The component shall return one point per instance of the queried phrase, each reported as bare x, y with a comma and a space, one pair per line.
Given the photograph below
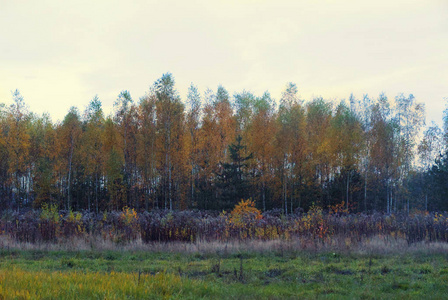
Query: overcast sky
62, 53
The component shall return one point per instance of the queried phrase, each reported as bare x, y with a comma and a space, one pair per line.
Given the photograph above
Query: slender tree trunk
293, 196
89, 194
146, 191
192, 184
96, 192
347, 190
285, 196
392, 198
170, 186
69, 173
166, 175
387, 198
365, 192
263, 195
192, 166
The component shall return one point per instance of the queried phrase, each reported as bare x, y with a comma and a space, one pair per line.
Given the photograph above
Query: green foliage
436, 179
49, 213
234, 180
49, 222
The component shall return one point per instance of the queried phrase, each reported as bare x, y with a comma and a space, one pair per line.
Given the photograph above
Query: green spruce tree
233, 182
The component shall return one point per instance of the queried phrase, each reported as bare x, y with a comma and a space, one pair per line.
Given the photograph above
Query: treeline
214, 150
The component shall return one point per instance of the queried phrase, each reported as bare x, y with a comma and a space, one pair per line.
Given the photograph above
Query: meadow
52, 254
239, 270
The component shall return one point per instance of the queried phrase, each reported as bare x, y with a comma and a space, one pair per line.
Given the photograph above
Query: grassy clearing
223, 274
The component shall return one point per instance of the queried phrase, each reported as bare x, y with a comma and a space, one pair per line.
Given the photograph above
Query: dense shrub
244, 222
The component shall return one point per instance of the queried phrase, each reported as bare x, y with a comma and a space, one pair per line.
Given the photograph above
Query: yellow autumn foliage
244, 212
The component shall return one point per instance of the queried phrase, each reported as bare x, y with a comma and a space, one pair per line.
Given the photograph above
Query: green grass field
37, 274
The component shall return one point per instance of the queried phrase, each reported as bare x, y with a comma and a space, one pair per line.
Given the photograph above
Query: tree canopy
216, 149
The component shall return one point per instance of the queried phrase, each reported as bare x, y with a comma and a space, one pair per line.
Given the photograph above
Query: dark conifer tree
234, 180
437, 180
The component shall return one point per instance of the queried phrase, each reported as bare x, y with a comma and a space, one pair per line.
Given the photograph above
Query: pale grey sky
61, 53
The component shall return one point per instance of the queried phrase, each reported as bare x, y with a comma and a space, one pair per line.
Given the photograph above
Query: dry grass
377, 244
